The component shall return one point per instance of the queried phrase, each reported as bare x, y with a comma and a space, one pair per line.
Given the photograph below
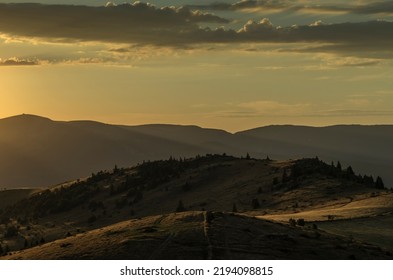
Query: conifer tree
339, 166
180, 207
350, 171
255, 203
379, 183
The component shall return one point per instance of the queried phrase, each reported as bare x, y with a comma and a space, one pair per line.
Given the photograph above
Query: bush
301, 222
186, 187
255, 203
292, 222
180, 207
92, 219
11, 231
5, 220
138, 196
379, 183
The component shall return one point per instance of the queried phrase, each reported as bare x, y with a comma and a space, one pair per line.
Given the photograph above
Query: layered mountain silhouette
38, 152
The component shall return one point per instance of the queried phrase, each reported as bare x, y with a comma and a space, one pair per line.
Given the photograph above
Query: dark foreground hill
306, 196
203, 235
38, 152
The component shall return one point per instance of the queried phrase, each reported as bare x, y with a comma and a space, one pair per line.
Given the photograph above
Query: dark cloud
363, 50
137, 22
145, 24
385, 7
352, 113
375, 33
247, 4
371, 8
17, 62
268, 4
283, 110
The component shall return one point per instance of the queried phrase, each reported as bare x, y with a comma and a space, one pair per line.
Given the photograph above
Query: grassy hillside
10, 197
283, 191
202, 235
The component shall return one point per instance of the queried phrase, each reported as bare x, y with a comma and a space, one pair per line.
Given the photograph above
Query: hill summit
186, 203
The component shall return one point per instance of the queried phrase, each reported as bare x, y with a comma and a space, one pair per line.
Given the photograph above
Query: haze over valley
38, 152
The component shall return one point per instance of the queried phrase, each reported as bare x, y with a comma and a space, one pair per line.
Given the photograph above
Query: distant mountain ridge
38, 152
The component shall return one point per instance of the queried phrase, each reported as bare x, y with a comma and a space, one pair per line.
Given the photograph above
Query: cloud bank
13, 61
138, 22
385, 7
141, 23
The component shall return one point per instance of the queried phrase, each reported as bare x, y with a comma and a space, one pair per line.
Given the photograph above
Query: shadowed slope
202, 235
279, 190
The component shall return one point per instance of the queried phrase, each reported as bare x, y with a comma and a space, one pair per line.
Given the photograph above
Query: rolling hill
160, 209
202, 235
38, 152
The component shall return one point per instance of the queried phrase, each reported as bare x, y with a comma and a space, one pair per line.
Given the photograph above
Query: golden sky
233, 66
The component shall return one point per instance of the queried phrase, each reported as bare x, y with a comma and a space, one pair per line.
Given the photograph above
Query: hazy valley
38, 152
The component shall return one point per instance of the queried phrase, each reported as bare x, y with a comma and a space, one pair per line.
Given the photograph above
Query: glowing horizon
291, 63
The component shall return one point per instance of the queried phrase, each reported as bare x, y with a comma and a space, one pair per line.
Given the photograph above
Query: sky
232, 65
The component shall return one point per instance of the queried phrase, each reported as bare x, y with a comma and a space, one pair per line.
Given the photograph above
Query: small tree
285, 177
115, 169
350, 171
92, 219
248, 156
368, 180
112, 190
301, 222
11, 231
186, 187
268, 158
379, 183
255, 203
180, 207
138, 196
339, 168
